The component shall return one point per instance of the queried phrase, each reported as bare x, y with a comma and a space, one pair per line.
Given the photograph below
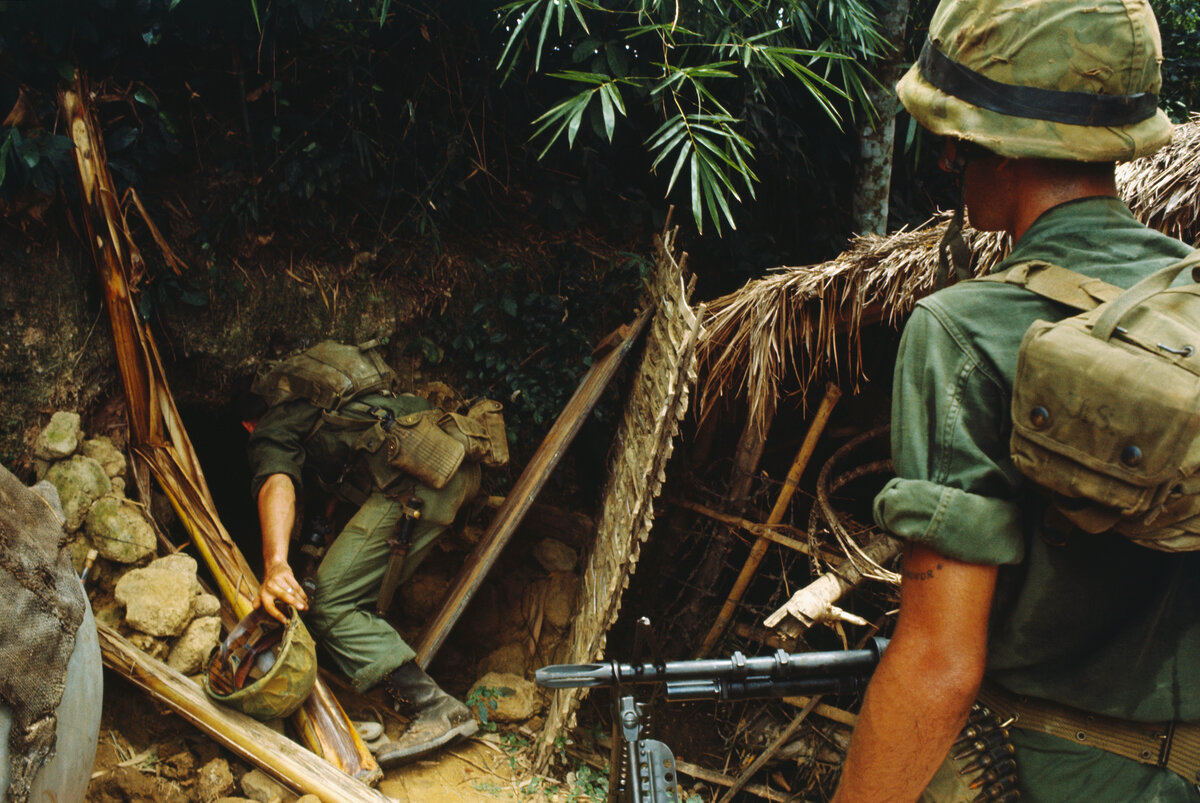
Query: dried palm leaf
806, 321
157, 432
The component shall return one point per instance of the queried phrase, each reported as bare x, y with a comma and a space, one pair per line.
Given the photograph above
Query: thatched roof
808, 320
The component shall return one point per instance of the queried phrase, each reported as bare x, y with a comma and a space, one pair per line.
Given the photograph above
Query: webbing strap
1171, 745
1057, 284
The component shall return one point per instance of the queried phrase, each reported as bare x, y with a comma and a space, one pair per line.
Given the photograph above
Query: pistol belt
1174, 746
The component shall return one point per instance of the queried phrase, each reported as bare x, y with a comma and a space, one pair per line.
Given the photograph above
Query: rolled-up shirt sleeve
956, 490
277, 444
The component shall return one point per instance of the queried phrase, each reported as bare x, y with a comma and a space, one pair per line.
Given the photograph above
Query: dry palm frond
157, 433
807, 320
1163, 189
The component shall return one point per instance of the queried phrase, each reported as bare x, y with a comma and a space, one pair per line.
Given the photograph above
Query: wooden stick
248, 738
518, 501
759, 550
761, 530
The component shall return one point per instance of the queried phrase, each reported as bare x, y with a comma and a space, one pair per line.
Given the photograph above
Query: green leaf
145, 98
4, 151
606, 108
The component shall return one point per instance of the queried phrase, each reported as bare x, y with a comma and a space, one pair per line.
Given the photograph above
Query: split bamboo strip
761, 530
157, 432
246, 737
759, 550
656, 400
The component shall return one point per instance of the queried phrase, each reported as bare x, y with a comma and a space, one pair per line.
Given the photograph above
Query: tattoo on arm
921, 576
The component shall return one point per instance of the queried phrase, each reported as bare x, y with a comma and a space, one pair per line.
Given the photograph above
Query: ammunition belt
1174, 746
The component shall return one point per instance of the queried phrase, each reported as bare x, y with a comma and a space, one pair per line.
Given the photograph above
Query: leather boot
437, 718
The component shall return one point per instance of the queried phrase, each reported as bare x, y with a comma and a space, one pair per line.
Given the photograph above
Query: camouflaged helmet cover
285, 686
1106, 47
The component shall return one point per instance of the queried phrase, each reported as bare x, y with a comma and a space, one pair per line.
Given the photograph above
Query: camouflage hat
263, 668
1055, 79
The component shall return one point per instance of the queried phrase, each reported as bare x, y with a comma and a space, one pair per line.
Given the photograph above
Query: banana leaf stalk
246, 737
157, 433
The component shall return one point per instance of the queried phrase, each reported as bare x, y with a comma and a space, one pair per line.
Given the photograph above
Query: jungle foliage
1179, 22
532, 130
693, 71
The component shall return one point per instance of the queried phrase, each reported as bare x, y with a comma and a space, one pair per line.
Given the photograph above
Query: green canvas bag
1106, 403
327, 374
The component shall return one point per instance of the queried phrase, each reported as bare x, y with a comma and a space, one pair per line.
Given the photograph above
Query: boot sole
395, 758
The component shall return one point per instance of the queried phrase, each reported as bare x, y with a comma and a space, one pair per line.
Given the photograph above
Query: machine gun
649, 765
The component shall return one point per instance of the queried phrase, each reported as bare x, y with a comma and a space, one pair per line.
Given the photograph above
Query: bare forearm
276, 517
915, 707
922, 690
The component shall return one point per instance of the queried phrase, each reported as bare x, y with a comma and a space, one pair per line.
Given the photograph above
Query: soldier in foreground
330, 416
1091, 640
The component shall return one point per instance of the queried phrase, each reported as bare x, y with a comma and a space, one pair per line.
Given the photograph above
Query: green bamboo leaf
523, 18
537, 56
576, 120
606, 109
697, 211
685, 151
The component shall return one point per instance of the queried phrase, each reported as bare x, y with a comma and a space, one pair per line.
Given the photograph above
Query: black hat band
1071, 108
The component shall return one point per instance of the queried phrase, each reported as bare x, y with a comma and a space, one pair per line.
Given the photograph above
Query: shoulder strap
1057, 284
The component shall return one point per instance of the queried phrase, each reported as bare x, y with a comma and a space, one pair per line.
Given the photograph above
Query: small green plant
588, 785
484, 698
488, 787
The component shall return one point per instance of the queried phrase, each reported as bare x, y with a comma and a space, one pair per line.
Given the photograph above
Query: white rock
206, 605
80, 481
201, 637
102, 450
157, 599
257, 785
555, 556
60, 438
119, 530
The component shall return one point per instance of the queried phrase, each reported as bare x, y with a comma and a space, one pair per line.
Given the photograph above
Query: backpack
327, 374
1106, 403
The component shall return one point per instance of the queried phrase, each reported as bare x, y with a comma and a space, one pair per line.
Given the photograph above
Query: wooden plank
248, 738
518, 501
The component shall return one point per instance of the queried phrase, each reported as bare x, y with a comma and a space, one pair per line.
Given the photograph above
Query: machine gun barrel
735, 677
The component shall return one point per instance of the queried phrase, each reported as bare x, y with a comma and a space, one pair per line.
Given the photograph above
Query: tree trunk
877, 133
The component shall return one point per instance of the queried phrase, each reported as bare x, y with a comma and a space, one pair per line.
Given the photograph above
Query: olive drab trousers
364, 646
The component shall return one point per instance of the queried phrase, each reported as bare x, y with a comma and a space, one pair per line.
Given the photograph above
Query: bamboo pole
761, 530
248, 738
518, 501
759, 550
157, 432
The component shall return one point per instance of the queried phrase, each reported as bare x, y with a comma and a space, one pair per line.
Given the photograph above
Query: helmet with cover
264, 669
1055, 79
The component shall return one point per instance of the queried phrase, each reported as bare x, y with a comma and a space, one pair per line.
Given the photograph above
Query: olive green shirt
280, 443
1096, 622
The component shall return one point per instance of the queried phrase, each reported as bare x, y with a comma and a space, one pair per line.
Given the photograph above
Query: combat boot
437, 718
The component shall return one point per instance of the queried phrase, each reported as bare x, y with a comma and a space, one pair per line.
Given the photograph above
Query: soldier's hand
279, 583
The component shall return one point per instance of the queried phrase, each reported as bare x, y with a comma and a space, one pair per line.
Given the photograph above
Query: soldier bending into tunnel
331, 415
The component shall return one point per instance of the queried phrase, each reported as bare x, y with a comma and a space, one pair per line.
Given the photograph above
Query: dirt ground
148, 753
